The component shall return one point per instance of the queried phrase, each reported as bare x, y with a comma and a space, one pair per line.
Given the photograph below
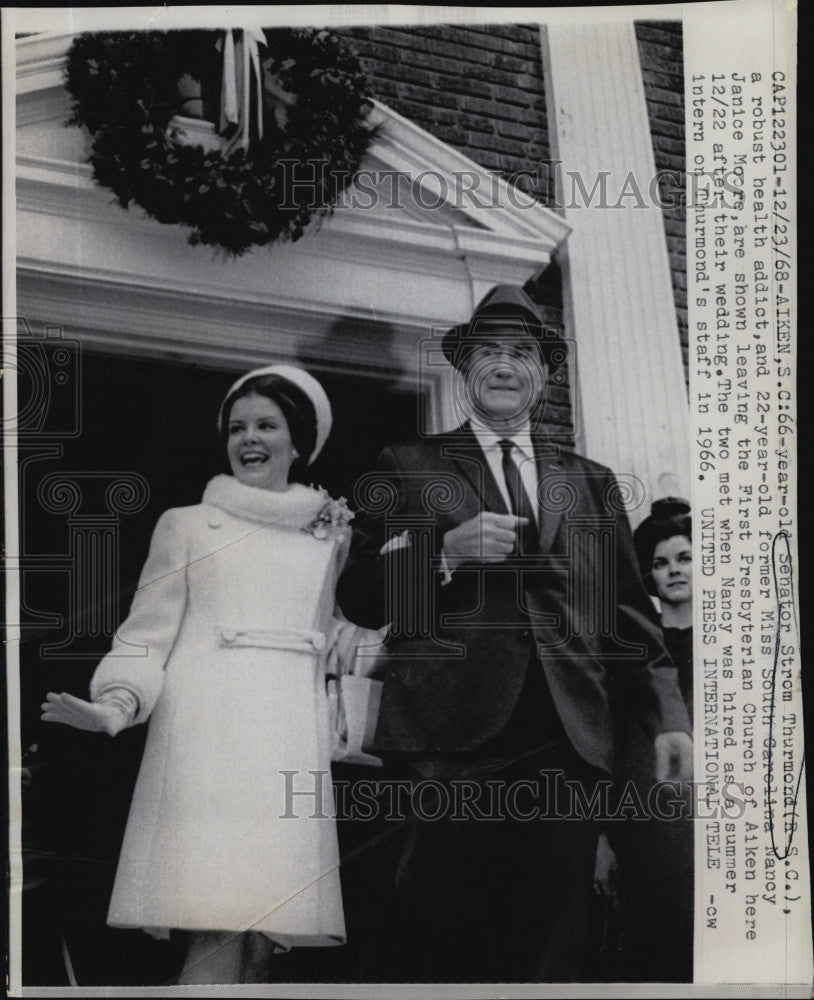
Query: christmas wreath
296, 144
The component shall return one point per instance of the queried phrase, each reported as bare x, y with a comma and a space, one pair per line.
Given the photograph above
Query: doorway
153, 420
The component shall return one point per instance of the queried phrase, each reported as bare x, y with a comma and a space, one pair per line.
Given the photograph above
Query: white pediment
455, 230
480, 198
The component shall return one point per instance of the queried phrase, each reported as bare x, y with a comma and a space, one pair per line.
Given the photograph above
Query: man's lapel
462, 449
550, 470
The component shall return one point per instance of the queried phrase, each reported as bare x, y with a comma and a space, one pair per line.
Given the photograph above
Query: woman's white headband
307, 384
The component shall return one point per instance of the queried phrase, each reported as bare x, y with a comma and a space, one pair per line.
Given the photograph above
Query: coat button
229, 635
214, 522
525, 634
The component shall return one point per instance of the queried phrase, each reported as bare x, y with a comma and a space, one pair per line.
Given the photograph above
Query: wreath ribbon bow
241, 60
126, 89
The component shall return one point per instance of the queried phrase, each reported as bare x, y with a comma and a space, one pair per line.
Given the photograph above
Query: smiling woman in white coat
224, 651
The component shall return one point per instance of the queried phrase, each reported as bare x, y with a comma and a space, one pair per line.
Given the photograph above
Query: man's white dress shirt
523, 456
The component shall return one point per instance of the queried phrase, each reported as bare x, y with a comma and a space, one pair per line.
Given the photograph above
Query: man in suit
505, 568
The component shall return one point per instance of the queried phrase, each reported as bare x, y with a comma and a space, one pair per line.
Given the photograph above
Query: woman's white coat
231, 825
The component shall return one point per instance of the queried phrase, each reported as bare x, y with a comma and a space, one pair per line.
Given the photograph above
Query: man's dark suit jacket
580, 599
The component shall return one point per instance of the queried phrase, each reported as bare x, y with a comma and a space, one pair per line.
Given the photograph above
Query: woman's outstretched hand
94, 717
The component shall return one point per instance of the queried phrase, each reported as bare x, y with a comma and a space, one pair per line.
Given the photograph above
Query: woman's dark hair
296, 407
669, 517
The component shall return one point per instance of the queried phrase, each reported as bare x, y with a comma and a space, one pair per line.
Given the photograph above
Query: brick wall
662, 59
480, 89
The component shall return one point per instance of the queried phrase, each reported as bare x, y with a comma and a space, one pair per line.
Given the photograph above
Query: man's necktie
527, 535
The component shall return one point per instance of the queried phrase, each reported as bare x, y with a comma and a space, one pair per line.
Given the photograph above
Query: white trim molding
122, 282
618, 293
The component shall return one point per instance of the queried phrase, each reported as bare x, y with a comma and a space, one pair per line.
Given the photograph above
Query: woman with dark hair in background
654, 877
664, 546
225, 651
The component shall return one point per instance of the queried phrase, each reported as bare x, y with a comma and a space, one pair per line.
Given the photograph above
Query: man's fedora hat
508, 311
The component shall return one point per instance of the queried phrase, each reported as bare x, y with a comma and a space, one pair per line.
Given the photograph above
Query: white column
632, 401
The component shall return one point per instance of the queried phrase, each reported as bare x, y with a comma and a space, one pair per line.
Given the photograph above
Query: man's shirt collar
488, 439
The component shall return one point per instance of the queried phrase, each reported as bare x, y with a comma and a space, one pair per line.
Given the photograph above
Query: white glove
674, 757
342, 650
606, 870
94, 717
